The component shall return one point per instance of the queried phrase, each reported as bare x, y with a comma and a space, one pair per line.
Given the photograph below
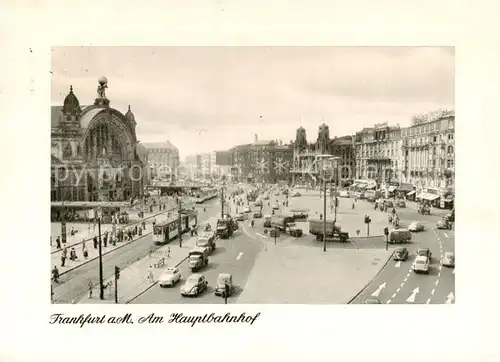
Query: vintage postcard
268, 175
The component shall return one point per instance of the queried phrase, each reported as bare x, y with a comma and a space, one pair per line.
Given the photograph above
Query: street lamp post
101, 277
324, 214
179, 222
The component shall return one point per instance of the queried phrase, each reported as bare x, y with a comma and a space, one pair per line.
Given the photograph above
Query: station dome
71, 103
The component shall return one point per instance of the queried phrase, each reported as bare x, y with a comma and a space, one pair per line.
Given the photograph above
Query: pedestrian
83, 244
51, 241
150, 274
353, 205
105, 240
91, 287
95, 242
58, 243
55, 274
63, 259
135, 230
154, 222
72, 254
85, 253
65, 252
168, 252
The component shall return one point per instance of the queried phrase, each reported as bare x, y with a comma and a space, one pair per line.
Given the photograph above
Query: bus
166, 231
205, 194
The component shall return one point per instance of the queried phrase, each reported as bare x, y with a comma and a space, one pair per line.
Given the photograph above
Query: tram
205, 194
166, 231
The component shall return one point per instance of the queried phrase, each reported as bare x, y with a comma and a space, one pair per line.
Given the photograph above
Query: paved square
304, 275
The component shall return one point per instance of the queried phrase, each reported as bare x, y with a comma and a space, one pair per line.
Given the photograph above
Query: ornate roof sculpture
129, 116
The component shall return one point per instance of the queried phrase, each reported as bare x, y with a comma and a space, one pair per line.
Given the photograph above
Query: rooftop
154, 145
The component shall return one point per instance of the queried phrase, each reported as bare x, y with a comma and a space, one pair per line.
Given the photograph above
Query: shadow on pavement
219, 250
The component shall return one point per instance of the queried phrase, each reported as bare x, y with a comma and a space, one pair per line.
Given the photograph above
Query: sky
212, 98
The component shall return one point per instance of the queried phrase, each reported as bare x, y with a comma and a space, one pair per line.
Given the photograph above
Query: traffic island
351, 220
302, 275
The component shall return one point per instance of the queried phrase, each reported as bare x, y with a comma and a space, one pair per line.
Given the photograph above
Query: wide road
398, 284
73, 285
235, 256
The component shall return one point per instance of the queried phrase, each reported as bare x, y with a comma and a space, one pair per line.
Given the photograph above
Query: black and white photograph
319, 175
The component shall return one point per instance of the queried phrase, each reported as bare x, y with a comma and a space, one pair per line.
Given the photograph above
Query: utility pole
101, 278
222, 202
117, 276
324, 214
63, 218
179, 229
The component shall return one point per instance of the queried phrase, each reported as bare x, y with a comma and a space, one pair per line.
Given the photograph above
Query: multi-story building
93, 151
429, 151
306, 167
163, 160
379, 154
262, 161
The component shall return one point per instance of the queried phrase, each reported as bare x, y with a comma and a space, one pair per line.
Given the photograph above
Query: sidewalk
93, 253
87, 231
134, 279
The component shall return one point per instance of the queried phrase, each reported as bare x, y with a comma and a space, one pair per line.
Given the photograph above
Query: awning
369, 187
391, 188
361, 186
430, 197
405, 188
410, 193
420, 196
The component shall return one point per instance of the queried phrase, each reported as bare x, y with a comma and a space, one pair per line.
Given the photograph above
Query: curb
123, 227
371, 280
152, 285
109, 251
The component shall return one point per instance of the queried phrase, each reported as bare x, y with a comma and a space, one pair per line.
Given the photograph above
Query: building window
450, 136
450, 150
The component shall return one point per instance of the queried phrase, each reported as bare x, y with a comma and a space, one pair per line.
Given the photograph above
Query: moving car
343, 193
170, 277
222, 280
424, 252
276, 206
401, 204
397, 236
401, 254
443, 223
257, 215
449, 259
416, 226
195, 284
371, 300
246, 209
421, 264
240, 217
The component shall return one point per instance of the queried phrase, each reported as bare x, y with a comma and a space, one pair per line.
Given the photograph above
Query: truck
207, 240
225, 227
198, 258
333, 232
285, 223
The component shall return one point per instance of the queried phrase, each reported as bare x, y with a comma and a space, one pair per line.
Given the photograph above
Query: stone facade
93, 151
162, 161
305, 167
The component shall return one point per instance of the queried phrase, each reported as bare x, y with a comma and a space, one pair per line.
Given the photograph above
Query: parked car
195, 284
170, 277
449, 259
416, 226
401, 254
296, 194
222, 280
424, 252
421, 264
257, 215
246, 209
443, 223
